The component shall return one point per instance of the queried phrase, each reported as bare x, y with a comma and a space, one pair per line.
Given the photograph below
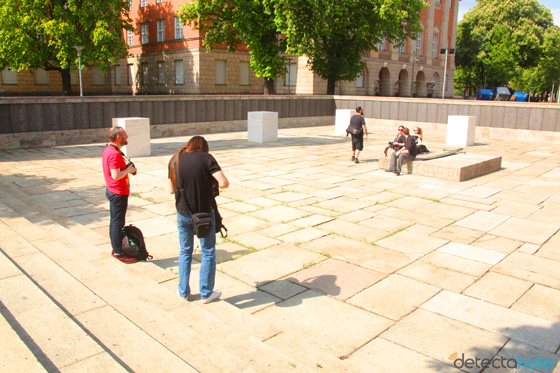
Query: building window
129, 5
159, 1
179, 72
360, 81
161, 73
42, 35
434, 46
382, 45
143, 3
160, 30
74, 77
9, 76
118, 79
41, 77
97, 77
145, 74
244, 73
129, 37
144, 32
220, 73
438, 2
178, 28
419, 44
291, 76
130, 73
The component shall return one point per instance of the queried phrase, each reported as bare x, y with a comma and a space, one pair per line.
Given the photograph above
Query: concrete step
220, 336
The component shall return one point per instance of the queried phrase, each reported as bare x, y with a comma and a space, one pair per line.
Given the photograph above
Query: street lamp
412, 82
79, 49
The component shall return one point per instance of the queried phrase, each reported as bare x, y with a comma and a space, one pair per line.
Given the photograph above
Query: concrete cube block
138, 131
460, 130
262, 126
342, 120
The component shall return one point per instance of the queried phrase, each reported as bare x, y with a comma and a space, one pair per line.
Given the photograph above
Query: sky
553, 5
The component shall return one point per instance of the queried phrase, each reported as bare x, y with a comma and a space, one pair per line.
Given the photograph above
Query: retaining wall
48, 121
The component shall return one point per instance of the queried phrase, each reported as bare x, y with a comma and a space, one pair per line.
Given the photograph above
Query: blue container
501, 93
521, 96
484, 94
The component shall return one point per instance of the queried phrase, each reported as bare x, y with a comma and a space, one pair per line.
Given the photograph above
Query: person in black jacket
356, 129
198, 171
408, 152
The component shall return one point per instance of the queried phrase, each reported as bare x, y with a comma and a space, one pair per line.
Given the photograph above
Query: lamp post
412, 82
79, 49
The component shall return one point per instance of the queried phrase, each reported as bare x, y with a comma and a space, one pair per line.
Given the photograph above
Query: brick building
168, 58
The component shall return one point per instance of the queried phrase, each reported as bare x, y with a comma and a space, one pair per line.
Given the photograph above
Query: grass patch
145, 198
308, 265
324, 253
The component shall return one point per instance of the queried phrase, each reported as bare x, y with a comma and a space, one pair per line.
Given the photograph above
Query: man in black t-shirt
197, 170
408, 152
356, 129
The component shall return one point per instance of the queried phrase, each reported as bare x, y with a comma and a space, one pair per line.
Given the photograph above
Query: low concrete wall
494, 114
48, 121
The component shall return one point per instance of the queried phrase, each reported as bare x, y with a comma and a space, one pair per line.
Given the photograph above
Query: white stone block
460, 130
342, 120
262, 126
138, 131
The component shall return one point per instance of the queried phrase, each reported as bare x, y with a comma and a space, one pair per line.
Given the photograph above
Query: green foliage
334, 34
236, 22
547, 72
498, 40
41, 34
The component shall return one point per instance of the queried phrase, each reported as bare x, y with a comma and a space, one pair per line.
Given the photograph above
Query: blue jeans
117, 207
208, 264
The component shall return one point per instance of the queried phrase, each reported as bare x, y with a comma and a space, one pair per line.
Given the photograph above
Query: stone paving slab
498, 289
516, 325
335, 278
270, 264
540, 301
394, 297
472, 252
439, 337
370, 256
390, 356
309, 312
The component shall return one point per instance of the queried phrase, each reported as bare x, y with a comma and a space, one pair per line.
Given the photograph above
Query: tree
497, 40
334, 34
236, 22
42, 34
547, 72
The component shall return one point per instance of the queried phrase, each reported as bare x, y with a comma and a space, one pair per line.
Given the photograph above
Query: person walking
115, 171
357, 129
407, 152
197, 172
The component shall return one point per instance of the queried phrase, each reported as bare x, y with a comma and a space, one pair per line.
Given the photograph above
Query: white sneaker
216, 294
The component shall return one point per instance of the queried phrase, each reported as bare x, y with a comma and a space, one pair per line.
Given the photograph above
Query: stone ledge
457, 167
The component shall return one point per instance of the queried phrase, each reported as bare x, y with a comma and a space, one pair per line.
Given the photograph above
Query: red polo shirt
112, 159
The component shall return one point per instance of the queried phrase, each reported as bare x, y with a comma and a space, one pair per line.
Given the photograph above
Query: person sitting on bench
397, 143
417, 135
408, 152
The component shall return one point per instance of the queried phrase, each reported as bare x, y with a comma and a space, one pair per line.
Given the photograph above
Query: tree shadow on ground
527, 348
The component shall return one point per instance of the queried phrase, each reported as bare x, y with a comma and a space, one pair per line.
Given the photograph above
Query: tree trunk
330, 86
66, 82
269, 84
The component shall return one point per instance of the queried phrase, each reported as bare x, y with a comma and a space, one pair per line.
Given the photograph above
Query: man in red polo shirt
115, 171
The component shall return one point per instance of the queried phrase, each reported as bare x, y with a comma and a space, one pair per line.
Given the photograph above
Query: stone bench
262, 126
455, 167
138, 131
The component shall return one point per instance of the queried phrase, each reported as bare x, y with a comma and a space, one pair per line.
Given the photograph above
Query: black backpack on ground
133, 244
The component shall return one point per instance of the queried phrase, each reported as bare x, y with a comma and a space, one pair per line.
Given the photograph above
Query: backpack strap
179, 184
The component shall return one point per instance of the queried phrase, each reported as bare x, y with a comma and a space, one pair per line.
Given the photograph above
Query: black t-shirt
195, 171
357, 121
411, 145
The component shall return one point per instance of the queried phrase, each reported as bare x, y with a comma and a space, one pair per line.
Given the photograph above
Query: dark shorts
358, 142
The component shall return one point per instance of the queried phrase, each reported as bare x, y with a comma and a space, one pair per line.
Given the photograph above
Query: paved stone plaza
329, 265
